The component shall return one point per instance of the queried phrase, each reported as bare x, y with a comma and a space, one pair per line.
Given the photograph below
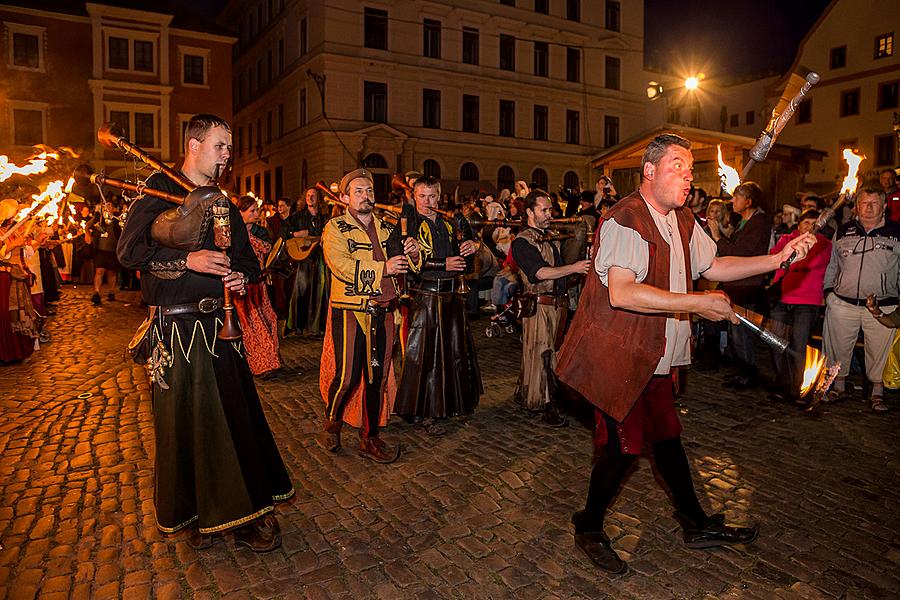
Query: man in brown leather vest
544, 277
633, 322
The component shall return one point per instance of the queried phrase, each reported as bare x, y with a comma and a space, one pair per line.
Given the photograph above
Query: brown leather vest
609, 354
532, 236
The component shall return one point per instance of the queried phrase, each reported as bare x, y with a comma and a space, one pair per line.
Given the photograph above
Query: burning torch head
8, 209
110, 134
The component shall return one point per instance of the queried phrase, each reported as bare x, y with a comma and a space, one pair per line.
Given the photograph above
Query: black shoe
598, 548
111, 297
433, 427
741, 383
96, 299
552, 417
714, 532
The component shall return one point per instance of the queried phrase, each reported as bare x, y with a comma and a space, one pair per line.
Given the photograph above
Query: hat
411, 175
8, 209
355, 174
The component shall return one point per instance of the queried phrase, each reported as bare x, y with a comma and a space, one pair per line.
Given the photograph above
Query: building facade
68, 67
478, 94
852, 47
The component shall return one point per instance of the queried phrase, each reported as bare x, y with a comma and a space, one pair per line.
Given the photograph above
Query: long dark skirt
216, 459
440, 370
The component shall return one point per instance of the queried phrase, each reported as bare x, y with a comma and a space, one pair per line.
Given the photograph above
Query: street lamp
692, 83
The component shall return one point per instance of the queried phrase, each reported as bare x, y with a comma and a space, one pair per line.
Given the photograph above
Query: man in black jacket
750, 238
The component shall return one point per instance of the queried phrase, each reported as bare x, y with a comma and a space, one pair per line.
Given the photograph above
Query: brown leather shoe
260, 535
330, 436
197, 540
377, 450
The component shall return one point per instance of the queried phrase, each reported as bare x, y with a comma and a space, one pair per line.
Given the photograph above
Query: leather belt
381, 308
550, 299
443, 285
204, 306
862, 302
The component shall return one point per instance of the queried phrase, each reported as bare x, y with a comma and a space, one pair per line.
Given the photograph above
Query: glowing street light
692, 83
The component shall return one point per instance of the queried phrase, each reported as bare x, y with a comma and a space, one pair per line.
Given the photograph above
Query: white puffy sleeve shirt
623, 247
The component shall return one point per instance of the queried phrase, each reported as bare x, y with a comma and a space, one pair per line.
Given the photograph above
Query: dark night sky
725, 38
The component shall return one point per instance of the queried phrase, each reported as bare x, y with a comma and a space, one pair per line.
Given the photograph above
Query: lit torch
818, 376
847, 190
728, 175
36, 165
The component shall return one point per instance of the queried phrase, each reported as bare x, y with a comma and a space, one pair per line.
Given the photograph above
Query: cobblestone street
482, 512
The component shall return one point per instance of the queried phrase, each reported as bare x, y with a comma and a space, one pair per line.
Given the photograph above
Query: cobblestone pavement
480, 513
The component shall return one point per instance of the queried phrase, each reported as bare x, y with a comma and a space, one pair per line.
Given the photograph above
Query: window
573, 126
849, 103
571, 180
539, 179
613, 73
610, 131
542, 6
249, 141
507, 52
247, 185
304, 40
256, 184
541, 59
573, 65
28, 126
470, 46
279, 182
118, 53
540, 122
144, 131
506, 178
431, 43
507, 118
301, 109
804, 111
194, 70
143, 56
613, 15
885, 150
470, 114
376, 28
26, 50
269, 64
375, 107
267, 184
123, 119
131, 53
884, 45
431, 109
735, 120
280, 57
468, 172
239, 141
279, 131
838, 57
304, 174
750, 117
269, 127
887, 95
431, 168
573, 10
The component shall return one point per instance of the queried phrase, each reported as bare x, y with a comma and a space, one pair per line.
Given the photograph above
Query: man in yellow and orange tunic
363, 253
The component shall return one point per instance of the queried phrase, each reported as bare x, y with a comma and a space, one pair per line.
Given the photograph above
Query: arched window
380, 174
304, 175
468, 172
374, 161
431, 168
539, 179
571, 180
506, 178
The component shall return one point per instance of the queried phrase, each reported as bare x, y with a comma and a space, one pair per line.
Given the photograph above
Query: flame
812, 368
35, 166
850, 181
728, 175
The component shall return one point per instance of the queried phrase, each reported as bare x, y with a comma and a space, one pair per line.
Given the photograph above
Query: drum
278, 262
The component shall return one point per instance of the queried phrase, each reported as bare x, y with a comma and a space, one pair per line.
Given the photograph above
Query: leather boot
713, 532
197, 540
552, 417
260, 535
330, 436
377, 450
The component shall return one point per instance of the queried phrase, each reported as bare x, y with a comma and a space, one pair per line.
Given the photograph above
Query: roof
700, 138
183, 16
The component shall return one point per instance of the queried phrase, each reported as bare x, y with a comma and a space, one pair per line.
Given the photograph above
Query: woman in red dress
18, 319
254, 309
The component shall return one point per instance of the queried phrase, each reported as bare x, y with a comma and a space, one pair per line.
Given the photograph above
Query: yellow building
852, 47
478, 94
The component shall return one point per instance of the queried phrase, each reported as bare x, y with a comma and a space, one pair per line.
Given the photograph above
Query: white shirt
623, 247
